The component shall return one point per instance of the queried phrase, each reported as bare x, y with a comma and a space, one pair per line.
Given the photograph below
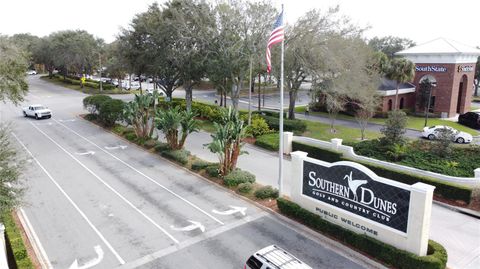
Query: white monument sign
352, 196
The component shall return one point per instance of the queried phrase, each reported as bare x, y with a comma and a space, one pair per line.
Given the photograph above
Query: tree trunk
291, 105
476, 89
396, 97
233, 96
188, 95
221, 96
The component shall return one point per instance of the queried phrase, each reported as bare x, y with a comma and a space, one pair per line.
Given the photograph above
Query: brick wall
447, 90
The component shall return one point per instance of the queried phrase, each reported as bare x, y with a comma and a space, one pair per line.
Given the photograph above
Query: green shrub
119, 129
257, 127
297, 126
91, 117
198, 164
179, 156
394, 128
160, 147
266, 192
237, 177
213, 170
131, 136
269, 113
92, 103
436, 255
268, 141
92, 85
16, 250
110, 111
150, 143
317, 153
245, 188
446, 190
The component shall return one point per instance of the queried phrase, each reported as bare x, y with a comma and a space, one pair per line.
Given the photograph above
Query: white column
3, 248
477, 173
418, 231
287, 142
296, 173
336, 142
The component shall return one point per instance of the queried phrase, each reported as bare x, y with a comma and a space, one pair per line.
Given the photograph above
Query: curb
332, 244
32, 237
465, 211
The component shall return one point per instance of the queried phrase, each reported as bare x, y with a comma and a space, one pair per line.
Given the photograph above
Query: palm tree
227, 140
401, 70
140, 112
176, 124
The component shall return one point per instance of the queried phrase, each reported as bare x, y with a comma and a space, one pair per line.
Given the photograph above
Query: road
98, 200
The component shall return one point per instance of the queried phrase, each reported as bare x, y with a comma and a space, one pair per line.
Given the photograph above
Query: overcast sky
419, 20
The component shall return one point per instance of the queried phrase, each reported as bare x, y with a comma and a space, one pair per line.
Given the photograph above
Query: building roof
440, 46
389, 85
389, 88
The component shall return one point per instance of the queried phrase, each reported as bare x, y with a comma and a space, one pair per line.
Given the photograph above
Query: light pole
431, 85
100, 62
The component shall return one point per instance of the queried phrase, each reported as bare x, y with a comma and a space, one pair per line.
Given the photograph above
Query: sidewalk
459, 233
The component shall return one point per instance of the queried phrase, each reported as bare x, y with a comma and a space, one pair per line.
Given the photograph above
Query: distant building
446, 63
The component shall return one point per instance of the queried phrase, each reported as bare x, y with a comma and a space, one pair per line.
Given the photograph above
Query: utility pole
427, 109
100, 61
250, 93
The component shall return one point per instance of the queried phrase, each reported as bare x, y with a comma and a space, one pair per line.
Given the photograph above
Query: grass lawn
416, 123
206, 126
87, 89
349, 135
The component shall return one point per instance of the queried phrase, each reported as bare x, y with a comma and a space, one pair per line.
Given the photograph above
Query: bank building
448, 65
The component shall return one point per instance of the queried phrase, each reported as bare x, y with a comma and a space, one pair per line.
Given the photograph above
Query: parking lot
103, 202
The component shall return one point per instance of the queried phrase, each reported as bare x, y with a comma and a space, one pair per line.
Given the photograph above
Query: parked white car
31, 72
274, 257
433, 133
37, 111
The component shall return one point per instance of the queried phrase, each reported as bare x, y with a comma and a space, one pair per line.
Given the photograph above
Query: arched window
401, 103
390, 104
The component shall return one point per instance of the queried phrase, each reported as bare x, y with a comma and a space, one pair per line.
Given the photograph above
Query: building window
390, 104
401, 103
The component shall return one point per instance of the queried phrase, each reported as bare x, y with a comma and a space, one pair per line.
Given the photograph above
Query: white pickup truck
37, 111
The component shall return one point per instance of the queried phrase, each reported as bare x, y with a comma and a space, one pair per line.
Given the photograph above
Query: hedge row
268, 141
436, 255
317, 152
297, 126
16, 251
88, 83
446, 190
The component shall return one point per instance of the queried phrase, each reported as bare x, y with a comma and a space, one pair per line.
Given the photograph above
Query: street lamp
431, 85
100, 62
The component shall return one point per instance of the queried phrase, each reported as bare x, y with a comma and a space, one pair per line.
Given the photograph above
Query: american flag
276, 36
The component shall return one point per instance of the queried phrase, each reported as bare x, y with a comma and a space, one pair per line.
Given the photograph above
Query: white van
273, 257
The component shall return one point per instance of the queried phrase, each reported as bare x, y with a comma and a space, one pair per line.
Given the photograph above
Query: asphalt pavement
101, 202
458, 233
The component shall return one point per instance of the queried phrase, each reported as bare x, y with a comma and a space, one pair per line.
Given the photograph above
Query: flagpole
280, 149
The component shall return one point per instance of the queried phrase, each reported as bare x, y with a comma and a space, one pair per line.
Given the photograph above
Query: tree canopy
390, 44
13, 65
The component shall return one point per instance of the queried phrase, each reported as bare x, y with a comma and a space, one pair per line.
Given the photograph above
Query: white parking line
192, 241
110, 187
144, 175
115, 253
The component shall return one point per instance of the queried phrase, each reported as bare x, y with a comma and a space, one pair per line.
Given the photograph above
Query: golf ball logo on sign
352, 190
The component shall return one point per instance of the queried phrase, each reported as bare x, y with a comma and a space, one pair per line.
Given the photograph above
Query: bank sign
352, 190
431, 68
